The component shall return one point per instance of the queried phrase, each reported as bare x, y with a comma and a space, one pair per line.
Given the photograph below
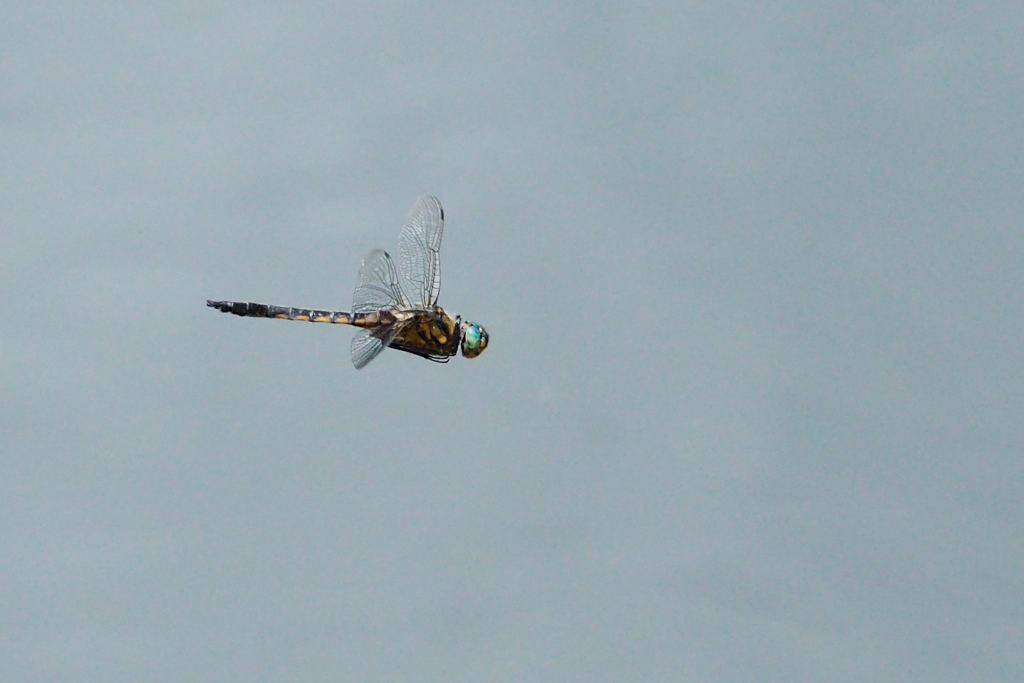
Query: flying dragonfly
402, 315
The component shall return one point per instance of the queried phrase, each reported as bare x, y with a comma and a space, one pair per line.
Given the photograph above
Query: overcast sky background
751, 409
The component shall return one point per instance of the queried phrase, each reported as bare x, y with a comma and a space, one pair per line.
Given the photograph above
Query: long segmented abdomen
252, 310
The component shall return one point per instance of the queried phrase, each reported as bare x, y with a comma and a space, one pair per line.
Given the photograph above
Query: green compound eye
474, 341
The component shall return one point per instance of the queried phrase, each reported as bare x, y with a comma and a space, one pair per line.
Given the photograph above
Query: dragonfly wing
368, 343
419, 247
377, 288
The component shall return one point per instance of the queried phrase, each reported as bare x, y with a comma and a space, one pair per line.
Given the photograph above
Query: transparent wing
419, 246
368, 343
377, 288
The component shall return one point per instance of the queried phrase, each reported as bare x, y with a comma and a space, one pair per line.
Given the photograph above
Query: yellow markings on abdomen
311, 316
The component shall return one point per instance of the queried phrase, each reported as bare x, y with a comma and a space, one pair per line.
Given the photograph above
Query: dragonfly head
474, 339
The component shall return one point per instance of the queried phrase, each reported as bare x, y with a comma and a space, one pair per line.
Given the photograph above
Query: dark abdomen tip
240, 308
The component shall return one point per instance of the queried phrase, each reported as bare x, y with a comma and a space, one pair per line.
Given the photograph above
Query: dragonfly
394, 313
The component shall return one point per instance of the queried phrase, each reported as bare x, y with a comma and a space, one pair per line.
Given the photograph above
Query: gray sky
751, 409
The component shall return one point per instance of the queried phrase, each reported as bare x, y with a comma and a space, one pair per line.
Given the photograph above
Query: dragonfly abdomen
251, 310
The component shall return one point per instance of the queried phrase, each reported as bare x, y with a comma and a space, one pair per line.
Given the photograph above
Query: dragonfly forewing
419, 251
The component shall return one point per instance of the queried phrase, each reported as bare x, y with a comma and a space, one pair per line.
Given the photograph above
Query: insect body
404, 314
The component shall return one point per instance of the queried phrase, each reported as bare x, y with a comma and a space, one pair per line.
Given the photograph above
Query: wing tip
425, 200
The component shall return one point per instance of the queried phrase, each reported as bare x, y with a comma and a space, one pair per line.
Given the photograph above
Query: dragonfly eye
474, 341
